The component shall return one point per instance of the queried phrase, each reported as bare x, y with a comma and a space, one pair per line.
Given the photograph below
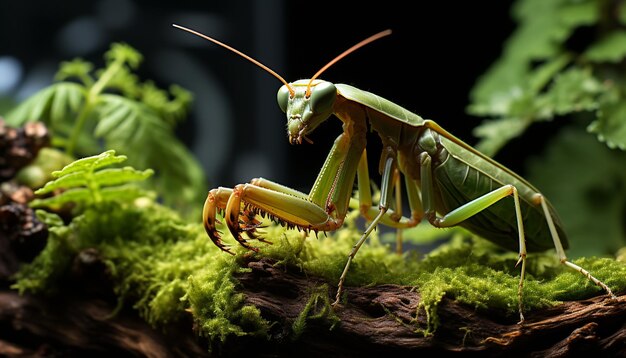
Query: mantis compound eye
283, 98
323, 97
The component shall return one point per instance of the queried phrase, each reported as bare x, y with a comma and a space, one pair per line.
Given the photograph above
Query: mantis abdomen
458, 181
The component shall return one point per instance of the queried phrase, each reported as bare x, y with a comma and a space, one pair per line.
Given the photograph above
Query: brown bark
383, 319
375, 320
80, 326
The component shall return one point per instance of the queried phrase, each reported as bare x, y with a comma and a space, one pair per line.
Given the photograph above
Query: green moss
167, 268
50, 266
160, 264
325, 255
317, 308
468, 269
217, 307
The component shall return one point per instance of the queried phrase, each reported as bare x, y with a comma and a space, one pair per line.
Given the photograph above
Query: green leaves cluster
566, 61
88, 110
85, 183
547, 70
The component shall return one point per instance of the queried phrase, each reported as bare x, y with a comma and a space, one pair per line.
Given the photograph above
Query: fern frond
85, 184
54, 105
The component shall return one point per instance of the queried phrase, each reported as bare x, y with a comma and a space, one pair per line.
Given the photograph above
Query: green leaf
576, 13
519, 101
123, 193
545, 25
66, 103
573, 90
179, 175
77, 68
153, 96
105, 177
90, 163
77, 195
610, 126
137, 120
50, 219
543, 28
172, 110
71, 180
117, 176
495, 134
53, 105
125, 82
178, 106
122, 118
611, 48
114, 112
121, 52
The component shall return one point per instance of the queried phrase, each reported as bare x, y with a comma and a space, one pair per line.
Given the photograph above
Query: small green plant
90, 110
84, 182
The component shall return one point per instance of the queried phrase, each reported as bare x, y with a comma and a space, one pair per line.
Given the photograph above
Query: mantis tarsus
447, 181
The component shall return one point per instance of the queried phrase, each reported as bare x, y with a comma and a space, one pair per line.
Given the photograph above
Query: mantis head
307, 108
307, 103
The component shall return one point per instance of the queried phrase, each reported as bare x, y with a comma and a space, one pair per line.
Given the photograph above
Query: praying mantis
447, 181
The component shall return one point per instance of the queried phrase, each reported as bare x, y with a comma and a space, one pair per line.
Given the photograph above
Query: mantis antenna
272, 72
346, 53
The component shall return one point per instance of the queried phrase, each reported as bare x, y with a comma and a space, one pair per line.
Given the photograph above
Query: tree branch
373, 320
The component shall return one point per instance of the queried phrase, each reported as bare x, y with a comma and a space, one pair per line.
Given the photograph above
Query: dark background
437, 51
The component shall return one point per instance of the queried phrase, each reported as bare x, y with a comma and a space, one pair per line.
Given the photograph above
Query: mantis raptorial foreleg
386, 190
323, 209
261, 196
216, 199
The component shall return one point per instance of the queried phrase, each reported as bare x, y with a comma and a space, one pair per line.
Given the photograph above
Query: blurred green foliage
90, 110
566, 61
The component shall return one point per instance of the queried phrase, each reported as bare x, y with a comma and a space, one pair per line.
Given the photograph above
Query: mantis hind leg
393, 216
472, 208
561, 252
398, 200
